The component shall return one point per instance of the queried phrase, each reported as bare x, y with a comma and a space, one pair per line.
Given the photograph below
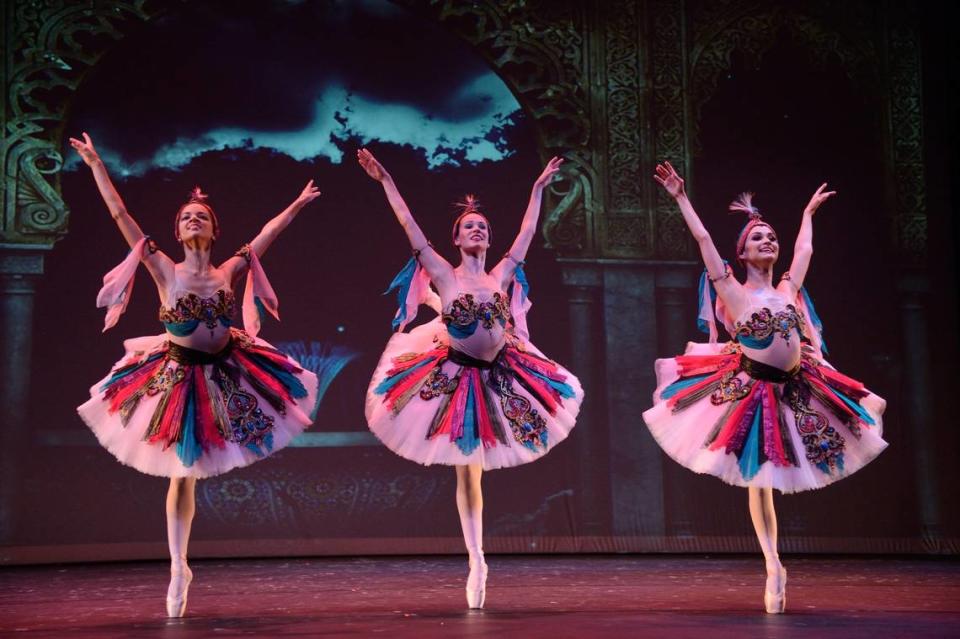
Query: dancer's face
196, 222
473, 233
761, 247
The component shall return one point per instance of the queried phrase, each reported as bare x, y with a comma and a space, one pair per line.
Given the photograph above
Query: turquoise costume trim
402, 282
466, 314
191, 309
814, 318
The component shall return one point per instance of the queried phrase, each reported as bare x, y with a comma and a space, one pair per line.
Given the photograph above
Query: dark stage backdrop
250, 103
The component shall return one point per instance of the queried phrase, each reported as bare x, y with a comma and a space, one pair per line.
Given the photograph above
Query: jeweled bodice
477, 327
772, 333
190, 310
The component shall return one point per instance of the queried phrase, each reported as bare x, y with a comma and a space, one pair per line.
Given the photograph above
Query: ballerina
203, 397
468, 389
766, 410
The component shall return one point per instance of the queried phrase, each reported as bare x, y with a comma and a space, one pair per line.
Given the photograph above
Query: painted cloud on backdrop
339, 116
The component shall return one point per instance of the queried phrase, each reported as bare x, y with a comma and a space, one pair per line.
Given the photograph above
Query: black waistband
765, 372
462, 359
192, 357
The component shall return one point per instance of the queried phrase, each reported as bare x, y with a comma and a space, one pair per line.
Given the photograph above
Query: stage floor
527, 596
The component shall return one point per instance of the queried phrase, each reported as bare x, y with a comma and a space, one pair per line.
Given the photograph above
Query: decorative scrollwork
623, 110
752, 28
578, 70
906, 152
852, 33
565, 223
41, 211
668, 58
51, 44
626, 232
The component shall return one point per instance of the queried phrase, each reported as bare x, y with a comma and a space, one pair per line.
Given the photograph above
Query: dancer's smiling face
472, 232
196, 222
761, 247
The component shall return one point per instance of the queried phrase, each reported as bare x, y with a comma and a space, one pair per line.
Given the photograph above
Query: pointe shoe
776, 602
177, 591
477, 584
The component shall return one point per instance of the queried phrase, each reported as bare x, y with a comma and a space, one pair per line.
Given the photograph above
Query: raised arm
273, 228
259, 244
803, 248
717, 271
503, 271
159, 265
439, 269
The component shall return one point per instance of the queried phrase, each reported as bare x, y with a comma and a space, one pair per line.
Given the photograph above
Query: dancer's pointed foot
477, 583
775, 594
180, 578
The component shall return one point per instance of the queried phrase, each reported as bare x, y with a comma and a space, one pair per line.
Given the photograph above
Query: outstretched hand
818, 198
370, 164
308, 194
85, 148
552, 168
667, 177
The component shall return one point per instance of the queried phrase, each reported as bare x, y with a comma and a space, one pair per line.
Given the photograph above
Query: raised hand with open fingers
309, 194
818, 198
86, 149
552, 168
667, 176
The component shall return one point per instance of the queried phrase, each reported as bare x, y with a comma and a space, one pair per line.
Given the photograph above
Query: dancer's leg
181, 506
470, 507
765, 524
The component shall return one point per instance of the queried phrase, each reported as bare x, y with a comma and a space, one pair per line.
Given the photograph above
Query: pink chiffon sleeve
118, 285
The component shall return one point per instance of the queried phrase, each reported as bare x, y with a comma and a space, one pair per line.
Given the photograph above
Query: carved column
636, 461
906, 199
914, 292
19, 272
676, 312
584, 280
41, 65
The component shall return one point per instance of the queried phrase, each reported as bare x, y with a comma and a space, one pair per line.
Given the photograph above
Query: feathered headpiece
744, 204
198, 196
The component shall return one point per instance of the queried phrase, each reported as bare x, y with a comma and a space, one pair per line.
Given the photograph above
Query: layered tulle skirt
177, 412
718, 412
432, 404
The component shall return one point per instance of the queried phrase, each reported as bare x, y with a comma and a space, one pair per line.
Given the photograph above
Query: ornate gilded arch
612, 85
49, 45
52, 43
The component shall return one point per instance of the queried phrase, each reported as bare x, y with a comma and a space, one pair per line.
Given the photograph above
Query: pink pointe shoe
776, 602
477, 584
177, 591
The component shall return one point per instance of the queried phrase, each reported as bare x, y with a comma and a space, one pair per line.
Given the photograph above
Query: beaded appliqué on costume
161, 382
241, 338
824, 445
731, 389
438, 383
465, 311
528, 426
763, 324
218, 308
249, 426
